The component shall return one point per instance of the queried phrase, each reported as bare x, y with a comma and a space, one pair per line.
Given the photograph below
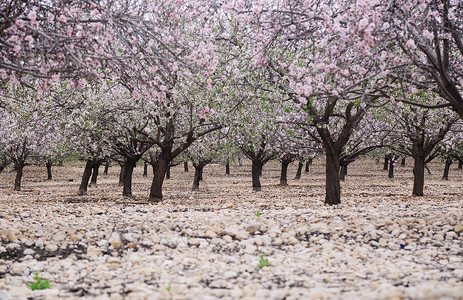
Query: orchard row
183, 80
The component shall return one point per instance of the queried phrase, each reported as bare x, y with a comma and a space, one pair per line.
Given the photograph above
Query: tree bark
227, 168
333, 186
85, 178
418, 176
185, 166
284, 173
48, 164
386, 163
19, 166
256, 171
159, 172
128, 172
403, 162
307, 167
460, 164
391, 169
448, 162
96, 167
145, 169
122, 174
106, 167
343, 172
198, 176
168, 172
299, 170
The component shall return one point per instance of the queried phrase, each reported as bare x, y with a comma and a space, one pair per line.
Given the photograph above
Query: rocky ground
381, 243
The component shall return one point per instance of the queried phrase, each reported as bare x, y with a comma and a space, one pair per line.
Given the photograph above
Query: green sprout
263, 262
39, 284
169, 287
258, 213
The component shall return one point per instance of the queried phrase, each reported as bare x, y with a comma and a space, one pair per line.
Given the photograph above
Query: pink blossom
135, 94
32, 15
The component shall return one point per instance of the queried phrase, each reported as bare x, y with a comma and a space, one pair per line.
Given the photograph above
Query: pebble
253, 227
51, 247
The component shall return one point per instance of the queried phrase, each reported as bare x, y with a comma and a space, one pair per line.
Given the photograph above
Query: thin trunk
185, 166
4, 163
198, 176
145, 169
310, 161
159, 172
128, 172
343, 172
391, 169
256, 170
460, 164
386, 163
96, 167
227, 168
19, 166
284, 173
448, 162
85, 178
299, 170
106, 167
403, 162
333, 186
122, 174
418, 176
307, 167
48, 164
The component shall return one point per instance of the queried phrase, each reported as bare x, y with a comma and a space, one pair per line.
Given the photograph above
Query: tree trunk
333, 186
185, 166
299, 170
3, 164
168, 172
403, 162
160, 167
343, 172
48, 164
106, 167
418, 176
19, 166
391, 169
128, 172
122, 174
284, 173
227, 168
307, 167
256, 170
386, 163
198, 176
448, 162
145, 169
85, 178
460, 164
96, 167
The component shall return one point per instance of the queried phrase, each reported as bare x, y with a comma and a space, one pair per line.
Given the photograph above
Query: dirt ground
380, 243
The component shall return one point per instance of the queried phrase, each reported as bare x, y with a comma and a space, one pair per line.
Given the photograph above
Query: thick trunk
85, 178
185, 166
128, 172
19, 166
307, 167
106, 167
227, 168
145, 169
299, 170
386, 163
448, 162
96, 167
343, 172
403, 162
48, 164
160, 167
122, 174
391, 169
333, 186
198, 177
284, 173
256, 170
418, 176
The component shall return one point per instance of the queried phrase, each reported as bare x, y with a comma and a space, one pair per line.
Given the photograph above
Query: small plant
169, 287
258, 213
39, 284
263, 262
